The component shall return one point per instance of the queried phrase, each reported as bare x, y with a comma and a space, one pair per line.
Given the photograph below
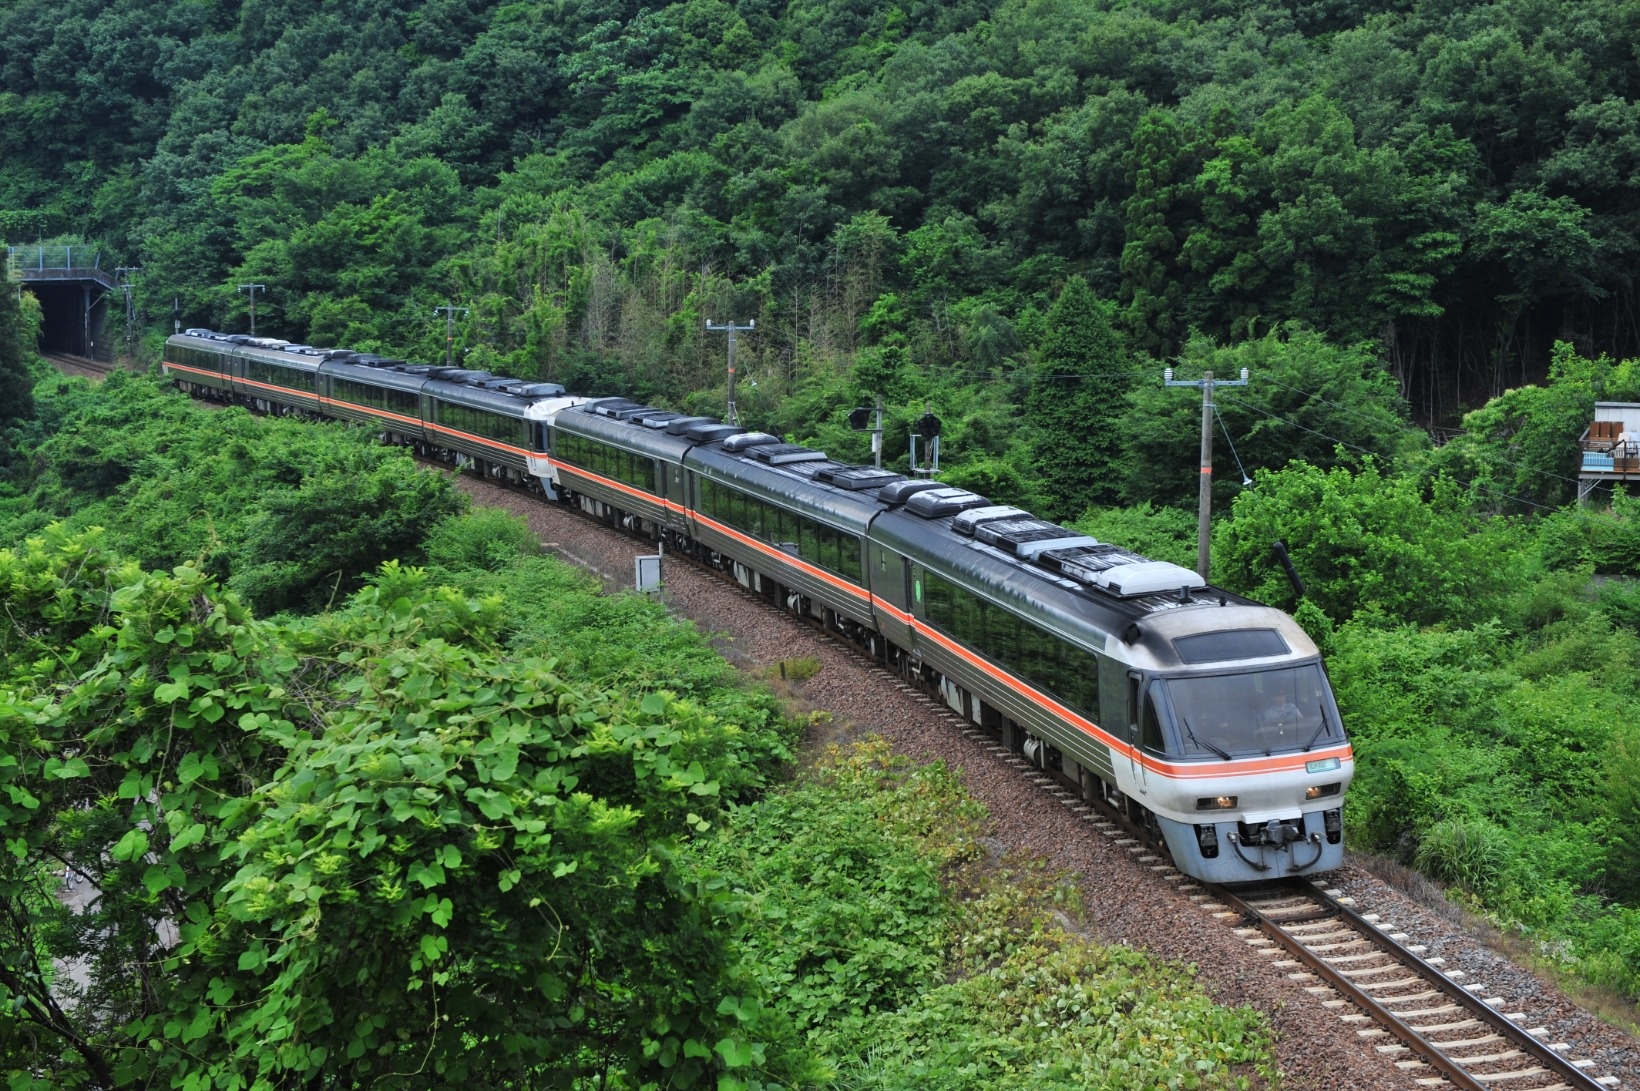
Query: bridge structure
74, 291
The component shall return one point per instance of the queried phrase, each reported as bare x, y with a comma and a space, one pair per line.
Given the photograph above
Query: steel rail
63, 359
1428, 1050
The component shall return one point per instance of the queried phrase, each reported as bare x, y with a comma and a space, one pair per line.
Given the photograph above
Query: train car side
1206, 717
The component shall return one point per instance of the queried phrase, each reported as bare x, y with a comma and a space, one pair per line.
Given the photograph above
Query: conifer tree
1078, 393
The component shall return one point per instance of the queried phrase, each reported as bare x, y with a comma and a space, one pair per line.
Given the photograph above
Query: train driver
1282, 712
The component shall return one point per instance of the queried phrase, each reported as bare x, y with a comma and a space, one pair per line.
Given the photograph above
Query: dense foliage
1453, 181
369, 846
899, 986
290, 514
19, 328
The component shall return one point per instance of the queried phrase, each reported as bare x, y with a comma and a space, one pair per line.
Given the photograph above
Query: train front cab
1240, 791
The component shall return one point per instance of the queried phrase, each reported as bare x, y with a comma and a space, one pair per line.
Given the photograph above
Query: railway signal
449, 312
859, 418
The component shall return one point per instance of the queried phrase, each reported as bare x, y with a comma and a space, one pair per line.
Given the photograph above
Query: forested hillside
1453, 181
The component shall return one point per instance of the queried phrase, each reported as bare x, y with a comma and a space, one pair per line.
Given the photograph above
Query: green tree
1306, 396
1158, 166
1520, 449
1079, 385
19, 335
365, 847
1366, 542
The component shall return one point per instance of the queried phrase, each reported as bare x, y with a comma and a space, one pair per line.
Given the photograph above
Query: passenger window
848, 554
828, 546
1002, 637
968, 618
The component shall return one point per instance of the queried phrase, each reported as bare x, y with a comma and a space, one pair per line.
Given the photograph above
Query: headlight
1316, 791
1325, 765
1216, 803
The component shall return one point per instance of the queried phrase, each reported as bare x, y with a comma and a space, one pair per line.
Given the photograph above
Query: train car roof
1148, 623
796, 484
375, 376
617, 425
547, 407
267, 349
479, 397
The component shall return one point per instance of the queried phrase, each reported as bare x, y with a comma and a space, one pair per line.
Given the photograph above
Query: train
1205, 718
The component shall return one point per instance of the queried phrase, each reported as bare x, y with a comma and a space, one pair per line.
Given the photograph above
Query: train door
1139, 704
674, 484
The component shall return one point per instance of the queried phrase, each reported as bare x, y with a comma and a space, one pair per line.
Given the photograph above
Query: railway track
77, 365
1444, 1031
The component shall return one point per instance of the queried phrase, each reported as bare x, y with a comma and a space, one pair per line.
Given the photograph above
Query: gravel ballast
1124, 900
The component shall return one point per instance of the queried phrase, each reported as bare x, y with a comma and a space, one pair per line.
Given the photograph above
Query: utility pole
449, 313
1204, 502
130, 313
733, 415
252, 289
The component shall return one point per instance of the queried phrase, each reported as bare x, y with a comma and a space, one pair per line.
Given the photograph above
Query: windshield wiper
1318, 731
1191, 735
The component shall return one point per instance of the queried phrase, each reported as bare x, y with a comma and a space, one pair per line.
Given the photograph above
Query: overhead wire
1246, 479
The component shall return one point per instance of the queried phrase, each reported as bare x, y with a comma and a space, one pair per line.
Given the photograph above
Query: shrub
487, 538
1471, 852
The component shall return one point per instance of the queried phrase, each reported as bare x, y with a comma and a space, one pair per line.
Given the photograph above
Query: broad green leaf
67, 769
189, 837
132, 846
428, 875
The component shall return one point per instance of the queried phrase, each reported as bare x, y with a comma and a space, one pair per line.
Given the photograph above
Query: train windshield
1266, 712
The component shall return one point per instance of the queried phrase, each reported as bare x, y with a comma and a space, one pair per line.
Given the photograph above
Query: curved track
1443, 1031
